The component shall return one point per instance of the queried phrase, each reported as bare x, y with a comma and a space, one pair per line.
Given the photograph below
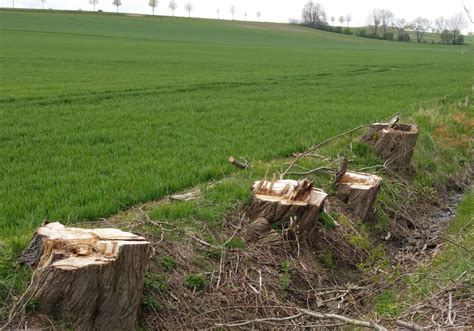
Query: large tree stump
359, 191
394, 143
296, 205
91, 279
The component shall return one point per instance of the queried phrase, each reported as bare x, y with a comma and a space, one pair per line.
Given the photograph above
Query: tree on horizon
117, 3
93, 3
172, 6
153, 4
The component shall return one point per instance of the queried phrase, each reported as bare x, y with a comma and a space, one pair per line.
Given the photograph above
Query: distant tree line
188, 7
314, 16
383, 24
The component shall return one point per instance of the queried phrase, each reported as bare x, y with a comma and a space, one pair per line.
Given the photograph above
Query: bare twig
260, 320
311, 171
409, 326
313, 148
367, 324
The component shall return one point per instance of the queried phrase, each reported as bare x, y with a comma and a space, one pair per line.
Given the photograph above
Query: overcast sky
273, 11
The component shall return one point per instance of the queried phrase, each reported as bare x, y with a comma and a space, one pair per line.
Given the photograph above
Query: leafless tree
218, 11
189, 8
348, 19
233, 11
386, 18
456, 23
420, 25
468, 12
117, 3
313, 13
172, 6
153, 4
375, 19
440, 24
259, 13
341, 20
245, 15
400, 25
333, 19
13, 3
42, 4
93, 3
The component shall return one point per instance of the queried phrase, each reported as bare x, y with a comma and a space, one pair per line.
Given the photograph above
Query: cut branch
313, 148
347, 320
238, 164
367, 324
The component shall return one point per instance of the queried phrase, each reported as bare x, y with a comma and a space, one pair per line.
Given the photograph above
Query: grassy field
99, 112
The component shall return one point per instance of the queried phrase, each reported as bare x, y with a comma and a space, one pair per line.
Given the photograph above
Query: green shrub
151, 303
236, 243
195, 282
388, 36
328, 221
168, 263
155, 282
348, 31
404, 37
284, 281
362, 33
386, 304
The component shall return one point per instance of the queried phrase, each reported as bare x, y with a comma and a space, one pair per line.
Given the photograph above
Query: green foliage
404, 37
285, 266
328, 220
327, 258
285, 275
152, 303
386, 304
195, 282
155, 282
284, 281
388, 36
236, 243
361, 239
168, 263
362, 33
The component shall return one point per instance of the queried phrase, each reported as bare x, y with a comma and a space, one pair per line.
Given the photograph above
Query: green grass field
99, 112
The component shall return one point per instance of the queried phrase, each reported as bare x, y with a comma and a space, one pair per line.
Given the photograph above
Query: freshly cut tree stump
294, 204
394, 143
261, 232
359, 191
91, 279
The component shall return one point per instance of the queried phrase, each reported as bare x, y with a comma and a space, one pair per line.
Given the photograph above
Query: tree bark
394, 144
90, 279
359, 191
296, 205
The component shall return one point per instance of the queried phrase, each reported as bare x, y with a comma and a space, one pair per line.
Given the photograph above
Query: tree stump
393, 143
296, 205
359, 191
260, 232
91, 279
